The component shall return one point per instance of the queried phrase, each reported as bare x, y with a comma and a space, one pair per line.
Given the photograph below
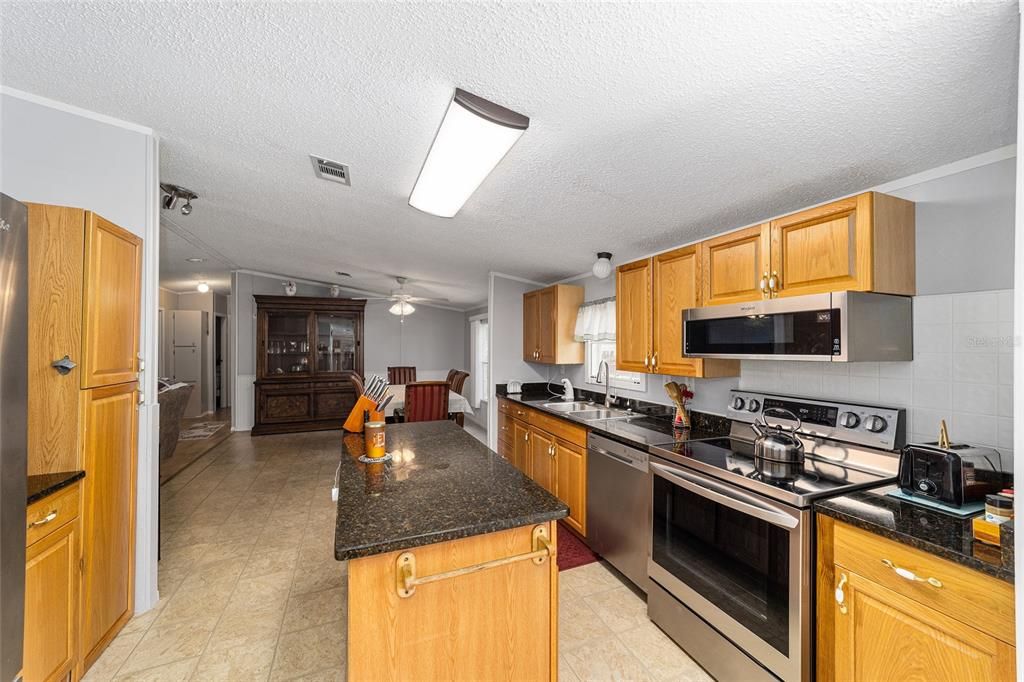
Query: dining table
456, 402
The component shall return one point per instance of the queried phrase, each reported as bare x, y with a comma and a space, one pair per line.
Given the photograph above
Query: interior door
633, 316
733, 265
531, 326
824, 249
546, 332
112, 303
675, 288
109, 437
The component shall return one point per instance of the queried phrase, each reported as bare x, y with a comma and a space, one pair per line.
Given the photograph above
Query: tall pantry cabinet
84, 314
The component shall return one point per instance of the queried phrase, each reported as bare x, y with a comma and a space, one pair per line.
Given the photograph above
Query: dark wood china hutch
307, 350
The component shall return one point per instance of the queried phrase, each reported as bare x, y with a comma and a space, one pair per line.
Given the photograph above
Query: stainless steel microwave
843, 326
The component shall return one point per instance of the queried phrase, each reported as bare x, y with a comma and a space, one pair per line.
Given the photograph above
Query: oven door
738, 560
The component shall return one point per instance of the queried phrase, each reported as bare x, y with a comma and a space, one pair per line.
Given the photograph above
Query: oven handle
729, 497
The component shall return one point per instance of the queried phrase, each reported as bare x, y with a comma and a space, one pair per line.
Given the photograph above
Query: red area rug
572, 551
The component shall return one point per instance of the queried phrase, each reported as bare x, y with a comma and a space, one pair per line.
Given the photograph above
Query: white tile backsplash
962, 372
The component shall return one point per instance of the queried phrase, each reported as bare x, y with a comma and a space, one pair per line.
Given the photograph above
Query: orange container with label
373, 434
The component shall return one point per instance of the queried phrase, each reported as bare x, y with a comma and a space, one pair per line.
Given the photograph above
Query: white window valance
595, 321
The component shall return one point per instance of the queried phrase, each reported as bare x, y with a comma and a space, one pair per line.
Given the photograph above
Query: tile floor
250, 589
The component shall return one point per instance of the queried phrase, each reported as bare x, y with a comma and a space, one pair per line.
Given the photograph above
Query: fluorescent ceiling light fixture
202, 287
474, 136
402, 308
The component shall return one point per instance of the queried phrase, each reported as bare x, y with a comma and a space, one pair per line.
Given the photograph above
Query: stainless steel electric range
731, 555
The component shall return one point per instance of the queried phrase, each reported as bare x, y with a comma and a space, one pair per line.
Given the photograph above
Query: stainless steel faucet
607, 381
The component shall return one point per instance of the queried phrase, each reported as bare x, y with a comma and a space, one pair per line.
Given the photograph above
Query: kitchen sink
601, 413
567, 407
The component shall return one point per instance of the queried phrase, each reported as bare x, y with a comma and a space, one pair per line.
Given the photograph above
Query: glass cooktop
732, 460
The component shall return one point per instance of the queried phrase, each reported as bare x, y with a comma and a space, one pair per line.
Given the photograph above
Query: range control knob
875, 424
738, 403
849, 420
754, 405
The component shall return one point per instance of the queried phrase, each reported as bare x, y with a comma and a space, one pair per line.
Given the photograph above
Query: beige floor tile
261, 592
321, 575
141, 622
166, 644
606, 659
113, 657
565, 671
306, 651
263, 562
199, 605
327, 675
620, 608
660, 655
239, 627
314, 608
244, 663
578, 624
178, 671
589, 579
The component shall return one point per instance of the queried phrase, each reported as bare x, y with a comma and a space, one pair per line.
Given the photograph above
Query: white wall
57, 154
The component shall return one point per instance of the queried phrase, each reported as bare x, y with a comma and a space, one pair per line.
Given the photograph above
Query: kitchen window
595, 326
605, 350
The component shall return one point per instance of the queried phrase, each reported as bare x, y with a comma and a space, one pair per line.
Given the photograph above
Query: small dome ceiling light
603, 266
175, 193
202, 287
194, 259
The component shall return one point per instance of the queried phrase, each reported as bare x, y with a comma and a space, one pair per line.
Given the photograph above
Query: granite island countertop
43, 485
928, 530
442, 484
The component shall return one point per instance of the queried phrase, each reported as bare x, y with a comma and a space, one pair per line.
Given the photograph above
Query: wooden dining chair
458, 383
401, 375
451, 375
357, 382
426, 401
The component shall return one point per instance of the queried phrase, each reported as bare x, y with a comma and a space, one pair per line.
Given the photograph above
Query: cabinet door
733, 265
109, 436
886, 636
286, 348
542, 459
112, 301
531, 331
51, 604
56, 247
675, 288
521, 447
822, 249
633, 316
546, 331
571, 482
336, 343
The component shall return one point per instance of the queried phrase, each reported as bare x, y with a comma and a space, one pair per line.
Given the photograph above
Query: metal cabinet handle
647, 359
840, 595
773, 282
45, 520
526, 436
907, 574
64, 365
764, 283
654, 360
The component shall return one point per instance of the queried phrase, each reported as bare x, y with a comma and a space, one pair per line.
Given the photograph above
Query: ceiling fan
404, 300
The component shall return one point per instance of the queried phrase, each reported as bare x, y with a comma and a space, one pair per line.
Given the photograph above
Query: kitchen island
451, 551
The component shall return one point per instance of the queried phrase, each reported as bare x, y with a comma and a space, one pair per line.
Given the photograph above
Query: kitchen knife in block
354, 423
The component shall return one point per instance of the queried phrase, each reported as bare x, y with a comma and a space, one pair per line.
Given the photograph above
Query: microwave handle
716, 492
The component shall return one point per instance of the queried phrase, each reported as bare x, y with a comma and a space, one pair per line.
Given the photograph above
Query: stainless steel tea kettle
778, 453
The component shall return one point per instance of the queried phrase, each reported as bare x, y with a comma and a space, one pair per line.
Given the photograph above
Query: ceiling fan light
202, 287
402, 308
474, 136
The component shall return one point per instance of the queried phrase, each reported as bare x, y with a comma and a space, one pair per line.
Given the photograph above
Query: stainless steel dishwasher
618, 494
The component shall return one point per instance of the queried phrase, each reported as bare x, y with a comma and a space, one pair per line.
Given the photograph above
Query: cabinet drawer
269, 387
504, 428
577, 435
47, 515
505, 449
519, 412
984, 602
504, 406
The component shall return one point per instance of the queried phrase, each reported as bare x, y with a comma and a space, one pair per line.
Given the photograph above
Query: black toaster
952, 475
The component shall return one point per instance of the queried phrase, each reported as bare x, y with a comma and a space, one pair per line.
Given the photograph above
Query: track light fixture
173, 194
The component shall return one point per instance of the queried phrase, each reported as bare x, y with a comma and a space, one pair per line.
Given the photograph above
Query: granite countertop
442, 484
928, 530
44, 485
652, 424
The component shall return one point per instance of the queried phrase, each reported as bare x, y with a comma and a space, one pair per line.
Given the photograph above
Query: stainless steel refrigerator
13, 430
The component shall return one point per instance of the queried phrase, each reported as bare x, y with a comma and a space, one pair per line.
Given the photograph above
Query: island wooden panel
498, 623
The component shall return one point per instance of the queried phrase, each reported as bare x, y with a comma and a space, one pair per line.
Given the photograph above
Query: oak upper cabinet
933, 621
549, 321
633, 316
651, 296
109, 434
734, 267
52, 579
111, 301
862, 243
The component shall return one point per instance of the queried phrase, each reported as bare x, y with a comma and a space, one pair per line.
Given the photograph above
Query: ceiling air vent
333, 171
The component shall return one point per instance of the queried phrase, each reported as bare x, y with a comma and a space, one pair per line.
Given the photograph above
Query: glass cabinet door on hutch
287, 343
335, 343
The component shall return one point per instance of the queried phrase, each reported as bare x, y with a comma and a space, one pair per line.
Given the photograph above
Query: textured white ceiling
651, 124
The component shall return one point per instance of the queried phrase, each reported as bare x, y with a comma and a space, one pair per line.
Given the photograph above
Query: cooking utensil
675, 393
380, 408
778, 453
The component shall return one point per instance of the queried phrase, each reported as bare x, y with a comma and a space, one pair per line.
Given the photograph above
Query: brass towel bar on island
405, 566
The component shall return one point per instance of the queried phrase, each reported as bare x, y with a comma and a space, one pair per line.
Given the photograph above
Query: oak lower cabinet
521, 457
542, 459
549, 322
651, 296
875, 624
52, 582
109, 437
571, 482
